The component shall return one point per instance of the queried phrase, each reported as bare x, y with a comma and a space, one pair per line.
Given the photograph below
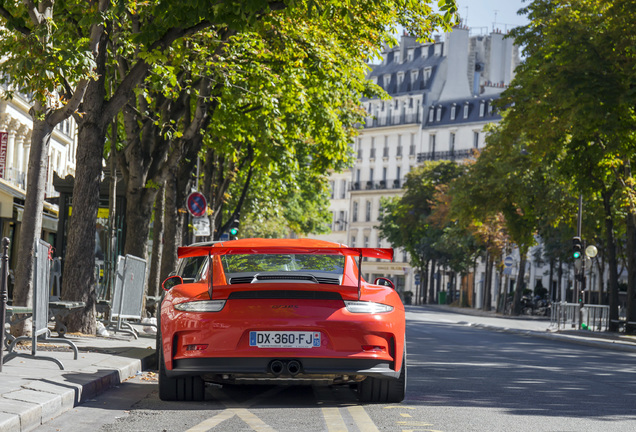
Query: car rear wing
193, 251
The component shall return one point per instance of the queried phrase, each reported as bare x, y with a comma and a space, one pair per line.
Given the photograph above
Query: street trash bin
441, 298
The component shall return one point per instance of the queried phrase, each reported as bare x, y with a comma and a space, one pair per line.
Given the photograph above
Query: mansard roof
490, 114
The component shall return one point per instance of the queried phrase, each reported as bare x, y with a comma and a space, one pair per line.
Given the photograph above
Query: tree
408, 221
573, 97
56, 71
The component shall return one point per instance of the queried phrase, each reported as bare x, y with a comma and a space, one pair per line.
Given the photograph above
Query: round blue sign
196, 204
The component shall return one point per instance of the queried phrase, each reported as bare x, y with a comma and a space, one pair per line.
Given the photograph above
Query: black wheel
384, 390
190, 388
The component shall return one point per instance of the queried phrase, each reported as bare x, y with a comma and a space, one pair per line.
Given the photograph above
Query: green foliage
418, 221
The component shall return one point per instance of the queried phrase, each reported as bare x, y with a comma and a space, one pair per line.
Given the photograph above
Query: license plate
292, 339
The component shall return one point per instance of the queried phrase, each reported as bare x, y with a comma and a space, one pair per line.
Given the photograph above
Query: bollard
4, 273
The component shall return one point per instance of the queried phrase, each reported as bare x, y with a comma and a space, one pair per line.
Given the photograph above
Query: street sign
508, 261
196, 204
201, 226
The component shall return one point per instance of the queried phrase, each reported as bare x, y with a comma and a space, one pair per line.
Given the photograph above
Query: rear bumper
259, 367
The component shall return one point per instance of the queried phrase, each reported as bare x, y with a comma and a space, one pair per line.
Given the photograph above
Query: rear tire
190, 388
384, 390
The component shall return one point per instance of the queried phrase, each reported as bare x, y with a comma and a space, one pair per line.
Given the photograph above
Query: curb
40, 401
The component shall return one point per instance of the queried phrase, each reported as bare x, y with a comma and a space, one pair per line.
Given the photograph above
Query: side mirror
384, 282
171, 282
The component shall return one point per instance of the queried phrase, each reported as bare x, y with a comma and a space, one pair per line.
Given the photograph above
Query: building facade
441, 99
15, 142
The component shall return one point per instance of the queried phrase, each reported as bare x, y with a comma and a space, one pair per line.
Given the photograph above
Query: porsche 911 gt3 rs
281, 311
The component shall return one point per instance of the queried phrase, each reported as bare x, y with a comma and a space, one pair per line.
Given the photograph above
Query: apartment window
409, 54
431, 144
371, 174
438, 117
332, 187
354, 216
453, 110
387, 80
427, 74
413, 76
482, 107
343, 189
451, 144
412, 145
396, 57
490, 107
410, 102
398, 173
399, 151
384, 174
353, 241
466, 110
358, 175
431, 114
385, 150
400, 78
366, 241
476, 139
368, 212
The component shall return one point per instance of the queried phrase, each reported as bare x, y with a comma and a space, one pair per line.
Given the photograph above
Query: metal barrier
4, 273
574, 316
40, 310
128, 294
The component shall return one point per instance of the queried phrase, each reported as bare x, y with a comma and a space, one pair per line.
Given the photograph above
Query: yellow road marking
362, 419
399, 407
333, 419
405, 415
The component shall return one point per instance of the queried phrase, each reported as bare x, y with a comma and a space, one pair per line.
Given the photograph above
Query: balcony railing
445, 155
393, 120
377, 185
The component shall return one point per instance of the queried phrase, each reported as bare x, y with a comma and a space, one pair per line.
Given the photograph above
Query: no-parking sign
196, 204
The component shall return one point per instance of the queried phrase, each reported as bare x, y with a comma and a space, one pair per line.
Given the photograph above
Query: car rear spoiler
193, 251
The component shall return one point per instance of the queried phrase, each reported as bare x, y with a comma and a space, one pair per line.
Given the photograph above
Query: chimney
456, 51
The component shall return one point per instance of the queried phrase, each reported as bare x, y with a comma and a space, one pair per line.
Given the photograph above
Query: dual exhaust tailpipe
279, 367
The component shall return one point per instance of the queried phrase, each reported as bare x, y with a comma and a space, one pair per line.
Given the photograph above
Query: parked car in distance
281, 311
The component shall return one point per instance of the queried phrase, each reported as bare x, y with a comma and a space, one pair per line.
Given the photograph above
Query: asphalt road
460, 378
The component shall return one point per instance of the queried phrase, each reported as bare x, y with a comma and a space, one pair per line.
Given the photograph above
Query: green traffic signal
233, 231
576, 255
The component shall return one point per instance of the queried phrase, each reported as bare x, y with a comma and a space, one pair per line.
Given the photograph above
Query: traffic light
577, 247
234, 228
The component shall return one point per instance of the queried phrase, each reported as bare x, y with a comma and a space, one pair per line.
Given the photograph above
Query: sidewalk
33, 391
527, 325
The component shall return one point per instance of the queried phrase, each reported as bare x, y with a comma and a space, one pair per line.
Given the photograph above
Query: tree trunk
79, 269
488, 284
612, 261
78, 281
31, 227
172, 228
139, 206
519, 284
154, 280
631, 275
431, 287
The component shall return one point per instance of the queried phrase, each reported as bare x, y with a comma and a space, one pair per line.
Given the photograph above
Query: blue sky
483, 13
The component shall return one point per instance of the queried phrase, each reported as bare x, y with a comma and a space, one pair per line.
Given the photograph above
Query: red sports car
281, 311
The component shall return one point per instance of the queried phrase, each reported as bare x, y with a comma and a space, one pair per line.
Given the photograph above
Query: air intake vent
327, 280
286, 277
241, 280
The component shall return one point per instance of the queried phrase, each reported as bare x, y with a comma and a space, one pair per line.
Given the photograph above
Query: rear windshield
260, 263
